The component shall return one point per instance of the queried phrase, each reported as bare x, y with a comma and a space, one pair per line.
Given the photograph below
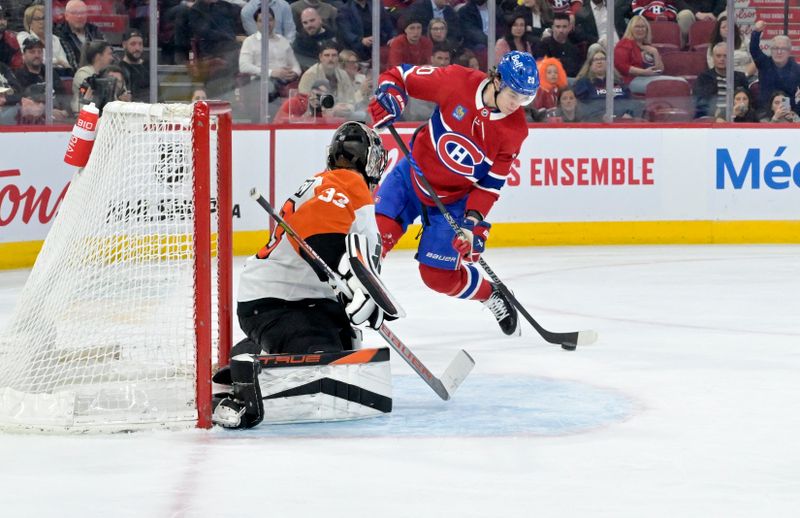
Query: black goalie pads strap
365, 272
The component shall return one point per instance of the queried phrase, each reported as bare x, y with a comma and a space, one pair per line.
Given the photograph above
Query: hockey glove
360, 307
473, 244
387, 105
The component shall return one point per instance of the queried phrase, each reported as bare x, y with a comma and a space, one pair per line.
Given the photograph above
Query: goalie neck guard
356, 146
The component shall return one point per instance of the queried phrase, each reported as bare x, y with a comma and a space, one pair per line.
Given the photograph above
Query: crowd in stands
669, 56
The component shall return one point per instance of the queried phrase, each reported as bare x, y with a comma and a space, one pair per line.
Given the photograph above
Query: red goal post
129, 301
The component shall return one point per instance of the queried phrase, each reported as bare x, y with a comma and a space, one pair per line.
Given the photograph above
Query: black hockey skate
503, 311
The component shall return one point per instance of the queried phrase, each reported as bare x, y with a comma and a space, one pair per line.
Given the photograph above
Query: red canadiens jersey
655, 9
465, 149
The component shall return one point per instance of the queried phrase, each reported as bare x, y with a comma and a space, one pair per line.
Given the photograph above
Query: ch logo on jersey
459, 112
459, 154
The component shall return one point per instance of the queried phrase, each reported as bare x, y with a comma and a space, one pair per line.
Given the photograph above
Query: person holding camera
342, 87
779, 109
96, 56
316, 106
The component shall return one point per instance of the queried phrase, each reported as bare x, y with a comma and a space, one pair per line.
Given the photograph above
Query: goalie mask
358, 145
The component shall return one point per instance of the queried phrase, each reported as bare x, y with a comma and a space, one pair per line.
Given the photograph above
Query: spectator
10, 85
635, 58
424, 11
8, 112
711, 86
135, 66
567, 110
97, 55
568, 7
742, 108
310, 37
199, 94
514, 38
538, 16
437, 33
315, 106
363, 84
9, 46
31, 71
284, 66
75, 32
466, 58
355, 27
326, 11
558, 45
552, 79
284, 19
623, 12
441, 56
31, 106
175, 35
590, 88
121, 91
779, 72
742, 60
339, 83
697, 10
33, 21
411, 47
591, 22
215, 28
473, 17
655, 9
779, 109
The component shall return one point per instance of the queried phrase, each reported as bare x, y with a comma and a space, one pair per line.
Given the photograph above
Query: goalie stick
568, 341
453, 375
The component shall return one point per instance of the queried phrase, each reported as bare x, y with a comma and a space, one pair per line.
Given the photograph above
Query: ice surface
686, 406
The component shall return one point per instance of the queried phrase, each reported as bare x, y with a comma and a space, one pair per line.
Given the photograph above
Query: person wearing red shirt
411, 47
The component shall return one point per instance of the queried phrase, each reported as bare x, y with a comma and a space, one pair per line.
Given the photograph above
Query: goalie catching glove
368, 301
472, 245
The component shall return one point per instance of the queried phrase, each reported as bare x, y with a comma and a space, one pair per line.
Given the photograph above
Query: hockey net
128, 302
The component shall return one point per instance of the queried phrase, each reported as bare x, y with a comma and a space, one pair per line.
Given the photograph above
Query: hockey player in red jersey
465, 151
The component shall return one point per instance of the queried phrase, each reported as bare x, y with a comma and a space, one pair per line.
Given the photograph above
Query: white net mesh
102, 336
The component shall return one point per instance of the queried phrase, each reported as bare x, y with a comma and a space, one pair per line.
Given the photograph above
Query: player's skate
228, 413
503, 311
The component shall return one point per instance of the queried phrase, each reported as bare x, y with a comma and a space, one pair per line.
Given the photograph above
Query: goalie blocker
294, 388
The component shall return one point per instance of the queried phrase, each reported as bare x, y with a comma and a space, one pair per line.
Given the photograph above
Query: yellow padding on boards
23, 254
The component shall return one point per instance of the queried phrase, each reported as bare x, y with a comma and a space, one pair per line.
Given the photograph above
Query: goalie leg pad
326, 387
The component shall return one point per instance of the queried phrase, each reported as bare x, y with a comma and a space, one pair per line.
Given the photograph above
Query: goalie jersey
466, 149
323, 211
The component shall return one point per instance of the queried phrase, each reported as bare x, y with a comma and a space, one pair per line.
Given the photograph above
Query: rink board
630, 185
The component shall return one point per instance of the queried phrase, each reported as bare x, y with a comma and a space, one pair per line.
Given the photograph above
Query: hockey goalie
301, 360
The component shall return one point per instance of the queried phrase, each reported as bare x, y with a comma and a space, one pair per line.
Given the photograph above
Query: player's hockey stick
568, 341
459, 367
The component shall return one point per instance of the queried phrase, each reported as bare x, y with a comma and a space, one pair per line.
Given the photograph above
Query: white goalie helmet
360, 146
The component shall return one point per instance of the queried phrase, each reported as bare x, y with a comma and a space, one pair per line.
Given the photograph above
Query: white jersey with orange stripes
333, 202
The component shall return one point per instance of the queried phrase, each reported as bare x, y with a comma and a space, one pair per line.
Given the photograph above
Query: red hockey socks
464, 283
